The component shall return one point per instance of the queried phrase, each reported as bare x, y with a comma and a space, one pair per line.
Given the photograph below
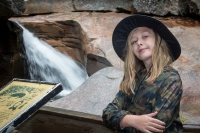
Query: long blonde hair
161, 57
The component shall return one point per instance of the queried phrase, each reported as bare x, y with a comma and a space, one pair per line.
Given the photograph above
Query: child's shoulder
169, 73
169, 70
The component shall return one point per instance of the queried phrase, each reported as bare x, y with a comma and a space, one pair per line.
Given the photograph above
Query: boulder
94, 94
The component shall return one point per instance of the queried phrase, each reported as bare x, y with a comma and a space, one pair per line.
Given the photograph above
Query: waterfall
45, 63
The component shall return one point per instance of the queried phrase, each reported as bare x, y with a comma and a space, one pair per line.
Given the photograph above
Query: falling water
48, 64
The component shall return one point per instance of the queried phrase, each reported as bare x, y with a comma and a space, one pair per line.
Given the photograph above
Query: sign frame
51, 90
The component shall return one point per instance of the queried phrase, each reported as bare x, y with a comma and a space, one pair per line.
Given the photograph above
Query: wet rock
12, 52
96, 28
66, 36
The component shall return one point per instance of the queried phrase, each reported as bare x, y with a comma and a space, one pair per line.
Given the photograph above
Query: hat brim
126, 25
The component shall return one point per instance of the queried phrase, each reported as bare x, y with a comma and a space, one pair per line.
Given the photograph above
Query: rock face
98, 28
154, 7
9, 8
100, 89
95, 27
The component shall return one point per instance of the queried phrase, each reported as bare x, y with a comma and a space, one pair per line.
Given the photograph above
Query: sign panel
20, 98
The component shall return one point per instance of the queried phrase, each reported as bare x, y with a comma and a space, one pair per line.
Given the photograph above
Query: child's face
142, 42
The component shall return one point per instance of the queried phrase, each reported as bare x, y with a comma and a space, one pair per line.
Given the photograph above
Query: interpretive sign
20, 98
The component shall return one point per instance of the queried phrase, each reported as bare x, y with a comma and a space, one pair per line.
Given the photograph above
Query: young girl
149, 97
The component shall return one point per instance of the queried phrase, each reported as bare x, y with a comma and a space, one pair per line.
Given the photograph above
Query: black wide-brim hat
125, 26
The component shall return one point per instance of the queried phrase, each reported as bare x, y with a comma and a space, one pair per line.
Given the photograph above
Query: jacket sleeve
115, 111
168, 100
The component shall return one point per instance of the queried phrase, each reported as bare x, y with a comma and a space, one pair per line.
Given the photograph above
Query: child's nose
140, 42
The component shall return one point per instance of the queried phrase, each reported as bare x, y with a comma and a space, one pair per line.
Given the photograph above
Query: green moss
183, 119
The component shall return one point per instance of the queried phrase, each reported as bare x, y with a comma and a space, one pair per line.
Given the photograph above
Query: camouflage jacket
163, 95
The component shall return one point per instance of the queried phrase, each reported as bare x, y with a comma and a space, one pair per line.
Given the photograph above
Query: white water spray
48, 64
